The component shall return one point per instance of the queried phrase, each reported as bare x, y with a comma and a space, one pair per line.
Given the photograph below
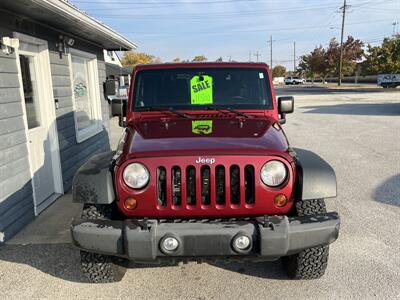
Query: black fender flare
93, 182
316, 179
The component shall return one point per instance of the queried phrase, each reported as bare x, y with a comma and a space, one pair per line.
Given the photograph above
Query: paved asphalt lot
357, 132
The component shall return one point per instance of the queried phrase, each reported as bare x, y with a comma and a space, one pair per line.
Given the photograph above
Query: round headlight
273, 173
136, 175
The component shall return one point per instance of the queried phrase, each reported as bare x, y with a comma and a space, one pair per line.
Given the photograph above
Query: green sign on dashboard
201, 90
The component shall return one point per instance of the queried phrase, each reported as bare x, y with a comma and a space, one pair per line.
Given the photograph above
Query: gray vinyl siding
16, 195
74, 154
16, 200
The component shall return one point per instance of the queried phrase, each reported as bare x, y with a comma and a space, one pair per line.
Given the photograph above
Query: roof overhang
112, 69
65, 17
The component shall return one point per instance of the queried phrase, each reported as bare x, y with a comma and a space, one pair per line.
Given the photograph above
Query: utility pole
294, 57
270, 51
395, 23
343, 8
257, 55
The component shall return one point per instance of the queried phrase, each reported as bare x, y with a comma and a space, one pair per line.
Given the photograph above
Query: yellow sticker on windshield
201, 90
202, 126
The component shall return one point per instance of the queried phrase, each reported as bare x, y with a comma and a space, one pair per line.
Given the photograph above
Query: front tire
310, 263
99, 268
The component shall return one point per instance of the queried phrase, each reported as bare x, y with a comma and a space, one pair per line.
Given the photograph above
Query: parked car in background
389, 80
294, 80
278, 80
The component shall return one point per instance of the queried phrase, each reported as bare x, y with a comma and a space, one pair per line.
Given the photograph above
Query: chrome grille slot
220, 185
205, 185
176, 186
162, 186
191, 185
249, 182
235, 184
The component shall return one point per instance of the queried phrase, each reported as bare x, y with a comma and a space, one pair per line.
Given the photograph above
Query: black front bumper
273, 237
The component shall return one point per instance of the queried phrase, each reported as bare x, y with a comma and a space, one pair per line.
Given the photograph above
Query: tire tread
310, 263
99, 268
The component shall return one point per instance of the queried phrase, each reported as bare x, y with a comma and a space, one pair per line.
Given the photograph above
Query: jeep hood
199, 136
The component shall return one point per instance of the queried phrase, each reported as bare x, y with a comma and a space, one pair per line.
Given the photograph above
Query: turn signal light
280, 200
130, 203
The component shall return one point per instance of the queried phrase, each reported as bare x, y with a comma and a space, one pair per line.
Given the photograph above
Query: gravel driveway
357, 132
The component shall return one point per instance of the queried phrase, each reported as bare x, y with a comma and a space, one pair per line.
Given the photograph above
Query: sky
241, 29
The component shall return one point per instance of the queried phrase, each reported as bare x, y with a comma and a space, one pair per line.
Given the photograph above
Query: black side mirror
111, 87
285, 106
118, 108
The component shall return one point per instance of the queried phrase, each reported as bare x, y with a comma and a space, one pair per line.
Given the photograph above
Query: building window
85, 85
28, 75
111, 55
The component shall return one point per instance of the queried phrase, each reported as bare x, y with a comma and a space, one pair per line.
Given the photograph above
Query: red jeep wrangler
204, 172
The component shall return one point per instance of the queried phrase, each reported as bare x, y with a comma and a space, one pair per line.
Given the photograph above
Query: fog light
169, 244
241, 243
280, 200
130, 203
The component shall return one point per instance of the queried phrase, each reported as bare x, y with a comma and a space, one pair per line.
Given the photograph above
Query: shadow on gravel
63, 261
58, 260
269, 270
358, 109
389, 191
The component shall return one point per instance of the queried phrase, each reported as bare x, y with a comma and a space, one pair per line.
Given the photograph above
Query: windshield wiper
222, 109
239, 113
170, 109
215, 108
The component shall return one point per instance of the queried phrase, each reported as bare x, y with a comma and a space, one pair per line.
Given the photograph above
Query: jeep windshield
202, 88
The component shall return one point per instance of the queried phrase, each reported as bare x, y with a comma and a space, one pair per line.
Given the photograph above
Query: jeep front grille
205, 186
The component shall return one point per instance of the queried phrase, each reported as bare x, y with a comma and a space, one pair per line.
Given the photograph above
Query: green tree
323, 62
384, 58
131, 59
352, 53
199, 58
278, 71
314, 64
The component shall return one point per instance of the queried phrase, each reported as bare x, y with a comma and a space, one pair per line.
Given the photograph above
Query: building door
38, 111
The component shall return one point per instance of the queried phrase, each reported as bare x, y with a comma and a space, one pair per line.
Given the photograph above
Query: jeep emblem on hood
202, 160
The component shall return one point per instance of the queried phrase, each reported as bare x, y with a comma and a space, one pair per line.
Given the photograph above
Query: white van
389, 80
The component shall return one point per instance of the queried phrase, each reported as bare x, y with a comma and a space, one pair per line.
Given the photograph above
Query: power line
168, 4
216, 32
160, 2
218, 13
179, 3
